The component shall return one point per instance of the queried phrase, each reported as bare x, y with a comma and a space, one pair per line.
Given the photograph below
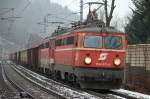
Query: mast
81, 10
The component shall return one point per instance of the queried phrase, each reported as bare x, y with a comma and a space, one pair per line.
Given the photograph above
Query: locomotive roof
96, 26
98, 29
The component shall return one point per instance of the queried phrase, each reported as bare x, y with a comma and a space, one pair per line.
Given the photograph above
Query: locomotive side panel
51, 51
44, 58
64, 56
46, 55
64, 52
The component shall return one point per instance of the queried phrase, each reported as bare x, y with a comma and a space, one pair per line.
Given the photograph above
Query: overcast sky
122, 6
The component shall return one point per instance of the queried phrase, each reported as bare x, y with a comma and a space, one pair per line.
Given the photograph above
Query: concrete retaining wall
138, 67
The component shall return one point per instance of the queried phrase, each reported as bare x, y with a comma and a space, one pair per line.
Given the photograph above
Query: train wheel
72, 78
76, 82
66, 77
58, 75
53, 74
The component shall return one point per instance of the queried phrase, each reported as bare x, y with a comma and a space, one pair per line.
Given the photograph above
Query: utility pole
10, 19
81, 10
46, 22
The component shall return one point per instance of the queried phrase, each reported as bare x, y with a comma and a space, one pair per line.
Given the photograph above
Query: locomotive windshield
93, 41
112, 42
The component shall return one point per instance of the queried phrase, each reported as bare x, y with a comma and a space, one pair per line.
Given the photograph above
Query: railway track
7, 91
48, 83
21, 92
29, 89
11, 91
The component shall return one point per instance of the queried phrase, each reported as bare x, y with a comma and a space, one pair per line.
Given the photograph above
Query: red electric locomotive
92, 56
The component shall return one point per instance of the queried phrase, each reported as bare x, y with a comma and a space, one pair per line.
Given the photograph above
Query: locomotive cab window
58, 42
70, 40
112, 42
93, 41
63, 41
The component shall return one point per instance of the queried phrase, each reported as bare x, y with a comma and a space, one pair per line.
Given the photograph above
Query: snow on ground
72, 93
117, 97
134, 94
57, 87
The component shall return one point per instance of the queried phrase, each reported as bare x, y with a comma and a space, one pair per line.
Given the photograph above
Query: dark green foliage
138, 28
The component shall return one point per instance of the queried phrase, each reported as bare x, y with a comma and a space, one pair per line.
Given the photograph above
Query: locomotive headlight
88, 60
117, 61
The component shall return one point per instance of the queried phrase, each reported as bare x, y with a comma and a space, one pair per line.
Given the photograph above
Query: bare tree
109, 15
102, 14
118, 22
